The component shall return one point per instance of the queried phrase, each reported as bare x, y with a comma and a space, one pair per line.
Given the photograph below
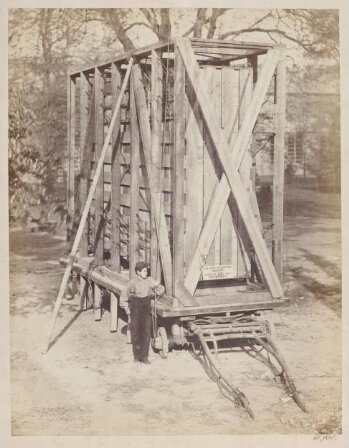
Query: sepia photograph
175, 221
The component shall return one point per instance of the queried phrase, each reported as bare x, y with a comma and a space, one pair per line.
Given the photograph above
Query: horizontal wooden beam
226, 51
124, 56
160, 220
227, 163
196, 42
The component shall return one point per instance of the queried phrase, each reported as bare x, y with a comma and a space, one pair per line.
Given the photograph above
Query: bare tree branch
129, 27
265, 30
150, 15
216, 13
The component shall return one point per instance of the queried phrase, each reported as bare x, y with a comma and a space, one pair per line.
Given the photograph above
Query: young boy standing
136, 300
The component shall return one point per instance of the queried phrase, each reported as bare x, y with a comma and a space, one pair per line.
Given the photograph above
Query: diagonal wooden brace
156, 196
231, 181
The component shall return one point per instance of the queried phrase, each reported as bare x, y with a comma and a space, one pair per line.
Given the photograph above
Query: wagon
162, 164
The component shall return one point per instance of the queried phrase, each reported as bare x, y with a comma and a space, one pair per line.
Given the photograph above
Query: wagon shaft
252, 331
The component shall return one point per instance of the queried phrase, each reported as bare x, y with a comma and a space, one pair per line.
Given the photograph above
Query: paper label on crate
218, 271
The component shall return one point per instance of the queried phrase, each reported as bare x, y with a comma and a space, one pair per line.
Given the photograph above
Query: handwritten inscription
324, 437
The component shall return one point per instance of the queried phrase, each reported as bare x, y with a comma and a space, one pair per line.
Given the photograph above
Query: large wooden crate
178, 185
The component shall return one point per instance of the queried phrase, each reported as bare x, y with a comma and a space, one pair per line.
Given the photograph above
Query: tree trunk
200, 22
165, 24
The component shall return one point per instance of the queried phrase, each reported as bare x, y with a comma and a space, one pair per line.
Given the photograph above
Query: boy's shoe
145, 361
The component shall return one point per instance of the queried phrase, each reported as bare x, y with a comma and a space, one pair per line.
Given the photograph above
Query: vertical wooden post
178, 202
210, 177
156, 146
253, 62
115, 174
97, 302
83, 293
279, 155
84, 90
71, 154
99, 138
113, 312
134, 183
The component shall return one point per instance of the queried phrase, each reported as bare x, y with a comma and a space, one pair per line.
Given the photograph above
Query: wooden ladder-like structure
228, 154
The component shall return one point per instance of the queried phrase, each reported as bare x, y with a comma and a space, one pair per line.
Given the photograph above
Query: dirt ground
87, 383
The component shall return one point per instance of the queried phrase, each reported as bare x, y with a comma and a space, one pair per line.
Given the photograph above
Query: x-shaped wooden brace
160, 220
230, 161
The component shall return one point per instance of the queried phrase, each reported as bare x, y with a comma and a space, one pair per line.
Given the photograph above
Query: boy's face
143, 273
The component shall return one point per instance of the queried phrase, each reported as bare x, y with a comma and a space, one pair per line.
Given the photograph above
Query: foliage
44, 43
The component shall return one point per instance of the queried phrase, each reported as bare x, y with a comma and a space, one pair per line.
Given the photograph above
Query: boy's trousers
140, 327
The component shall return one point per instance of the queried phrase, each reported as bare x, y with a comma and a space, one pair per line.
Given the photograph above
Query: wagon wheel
270, 328
269, 324
162, 335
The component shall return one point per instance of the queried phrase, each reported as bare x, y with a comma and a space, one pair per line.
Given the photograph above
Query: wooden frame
155, 171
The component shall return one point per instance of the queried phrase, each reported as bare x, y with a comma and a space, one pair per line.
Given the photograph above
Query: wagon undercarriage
207, 335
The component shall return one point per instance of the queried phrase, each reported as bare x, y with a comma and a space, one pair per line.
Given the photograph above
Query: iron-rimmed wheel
271, 328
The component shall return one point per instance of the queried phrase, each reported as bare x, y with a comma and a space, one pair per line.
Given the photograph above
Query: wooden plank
227, 162
83, 293
224, 51
229, 246
113, 312
198, 41
99, 137
178, 202
161, 225
156, 137
71, 155
278, 166
253, 62
245, 91
84, 121
87, 156
115, 174
194, 160
210, 178
236, 306
216, 96
135, 179
97, 302
68, 157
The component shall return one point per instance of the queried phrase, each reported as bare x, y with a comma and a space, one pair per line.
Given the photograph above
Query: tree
43, 43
